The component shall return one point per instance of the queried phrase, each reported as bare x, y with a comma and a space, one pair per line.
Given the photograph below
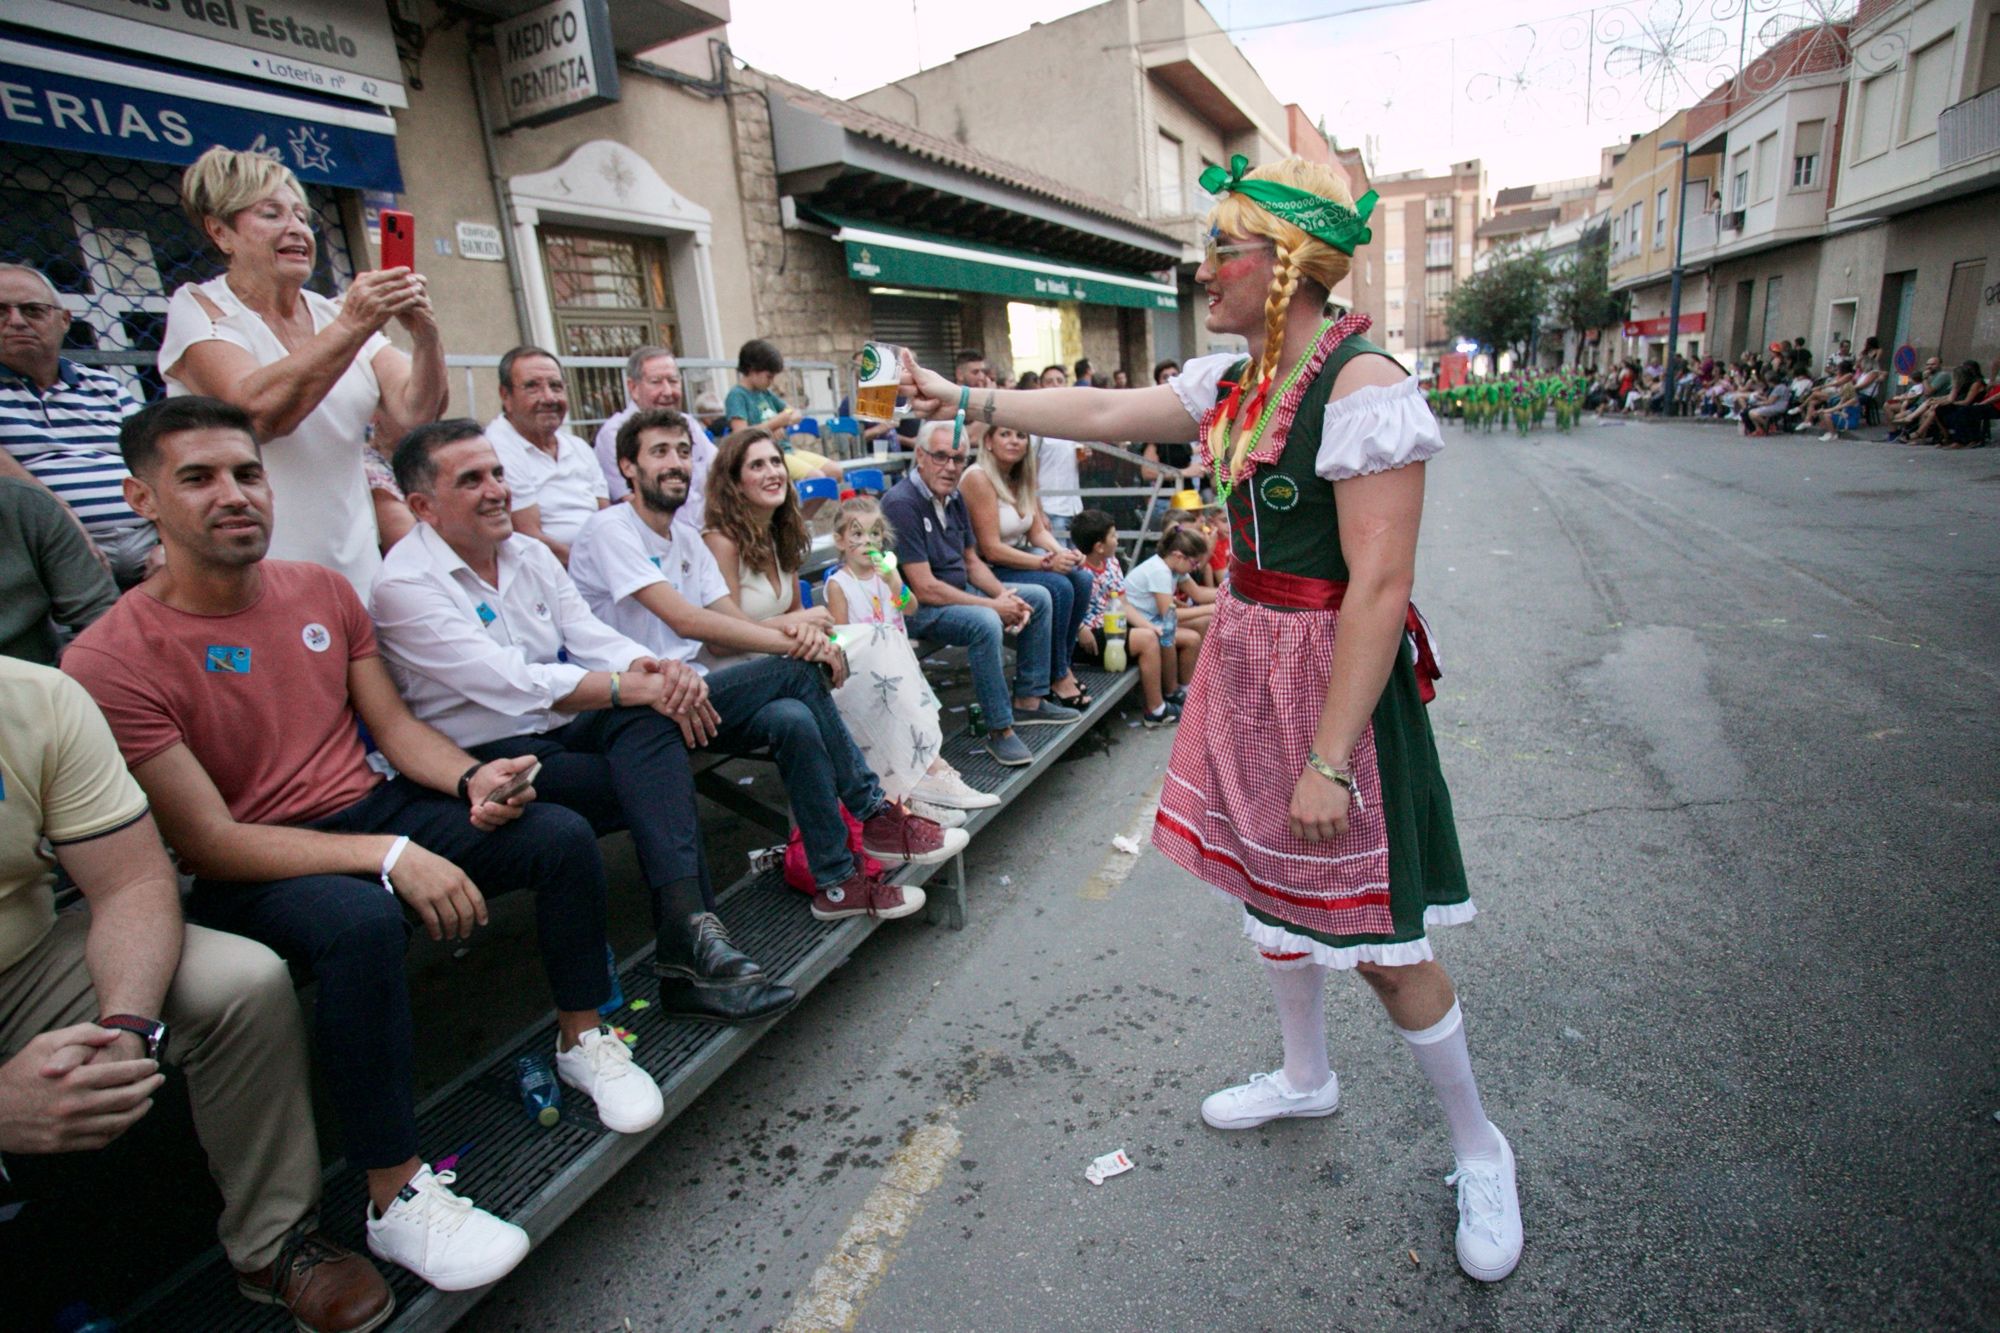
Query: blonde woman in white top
310, 371
1004, 504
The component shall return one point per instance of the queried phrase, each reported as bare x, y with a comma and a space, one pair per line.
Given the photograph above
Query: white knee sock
1441, 1054
1301, 996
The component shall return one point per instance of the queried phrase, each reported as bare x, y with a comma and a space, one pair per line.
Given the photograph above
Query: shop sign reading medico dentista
555, 61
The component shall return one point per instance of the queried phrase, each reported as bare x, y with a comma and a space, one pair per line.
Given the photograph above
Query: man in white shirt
491, 644
653, 380
655, 580
553, 474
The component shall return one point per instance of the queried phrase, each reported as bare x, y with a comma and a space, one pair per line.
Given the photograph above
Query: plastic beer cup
878, 374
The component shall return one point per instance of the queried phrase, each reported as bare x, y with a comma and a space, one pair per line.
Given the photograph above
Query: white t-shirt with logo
616, 555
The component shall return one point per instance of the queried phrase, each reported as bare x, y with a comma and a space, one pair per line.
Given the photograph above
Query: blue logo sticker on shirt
225, 657
656, 561
485, 613
562, 655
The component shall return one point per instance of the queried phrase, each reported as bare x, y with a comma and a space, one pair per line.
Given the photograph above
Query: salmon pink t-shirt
259, 697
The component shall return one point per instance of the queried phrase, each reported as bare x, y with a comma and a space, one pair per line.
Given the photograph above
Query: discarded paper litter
1125, 844
1107, 1166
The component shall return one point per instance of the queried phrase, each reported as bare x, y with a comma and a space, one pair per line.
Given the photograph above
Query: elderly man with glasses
961, 601
59, 424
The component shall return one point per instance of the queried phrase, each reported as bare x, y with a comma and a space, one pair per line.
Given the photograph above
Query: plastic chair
818, 488
868, 480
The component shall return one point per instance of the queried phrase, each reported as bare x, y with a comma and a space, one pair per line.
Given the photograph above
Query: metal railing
1969, 129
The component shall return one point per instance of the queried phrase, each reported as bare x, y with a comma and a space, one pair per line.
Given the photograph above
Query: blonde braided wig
1297, 258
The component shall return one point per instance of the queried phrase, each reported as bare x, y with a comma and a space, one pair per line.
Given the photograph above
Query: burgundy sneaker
895, 836
861, 894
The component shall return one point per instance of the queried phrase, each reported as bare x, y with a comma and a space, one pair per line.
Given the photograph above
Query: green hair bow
1323, 219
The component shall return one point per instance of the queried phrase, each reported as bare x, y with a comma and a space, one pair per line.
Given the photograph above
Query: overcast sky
1419, 84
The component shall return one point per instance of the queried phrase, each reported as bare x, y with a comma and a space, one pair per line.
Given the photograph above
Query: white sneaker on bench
601, 1067
950, 789
442, 1237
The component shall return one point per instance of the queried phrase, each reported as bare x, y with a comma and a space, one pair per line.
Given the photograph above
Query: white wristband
389, 861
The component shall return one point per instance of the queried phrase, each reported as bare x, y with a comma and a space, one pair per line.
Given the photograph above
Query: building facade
1426, 228
1129, 100
1646, 203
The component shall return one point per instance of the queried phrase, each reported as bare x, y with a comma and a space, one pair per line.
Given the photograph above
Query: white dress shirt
566, 487
616, 555
695, 509
482, 663
1056, 470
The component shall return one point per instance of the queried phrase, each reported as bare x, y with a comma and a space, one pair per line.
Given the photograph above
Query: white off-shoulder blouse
1373, 429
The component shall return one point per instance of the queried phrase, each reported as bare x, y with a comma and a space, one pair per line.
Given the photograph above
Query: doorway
1961, 309
1739, 317
1839, 326
610, 294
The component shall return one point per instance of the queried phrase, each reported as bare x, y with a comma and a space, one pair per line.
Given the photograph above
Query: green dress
1255, 702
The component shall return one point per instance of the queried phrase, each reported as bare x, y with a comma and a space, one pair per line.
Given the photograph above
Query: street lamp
1674, 300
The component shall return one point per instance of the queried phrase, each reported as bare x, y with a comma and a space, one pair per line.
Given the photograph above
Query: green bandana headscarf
1341, 228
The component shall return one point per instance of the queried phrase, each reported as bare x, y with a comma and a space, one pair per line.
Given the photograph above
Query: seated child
1151, 591
886, 703
1093, 533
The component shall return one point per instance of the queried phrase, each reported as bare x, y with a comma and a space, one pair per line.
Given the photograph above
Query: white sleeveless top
1014, 524
322, 512
761, 599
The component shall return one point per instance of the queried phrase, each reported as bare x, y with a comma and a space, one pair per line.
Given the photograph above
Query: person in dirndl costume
1305, 780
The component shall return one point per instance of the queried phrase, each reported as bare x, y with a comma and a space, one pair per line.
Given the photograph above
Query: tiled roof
954, 154
1514, 194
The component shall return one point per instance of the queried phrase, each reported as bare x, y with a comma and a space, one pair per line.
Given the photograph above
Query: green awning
890, 257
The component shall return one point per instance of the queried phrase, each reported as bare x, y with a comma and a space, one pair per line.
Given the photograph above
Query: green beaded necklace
1218, 440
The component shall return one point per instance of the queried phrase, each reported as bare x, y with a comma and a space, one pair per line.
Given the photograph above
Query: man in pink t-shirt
237, 689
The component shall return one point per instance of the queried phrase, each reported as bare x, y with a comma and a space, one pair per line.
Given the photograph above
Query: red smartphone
399, 239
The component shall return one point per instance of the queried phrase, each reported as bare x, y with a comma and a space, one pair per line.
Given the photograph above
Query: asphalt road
1720, 722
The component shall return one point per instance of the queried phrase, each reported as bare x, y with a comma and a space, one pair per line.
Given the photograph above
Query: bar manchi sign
556, 61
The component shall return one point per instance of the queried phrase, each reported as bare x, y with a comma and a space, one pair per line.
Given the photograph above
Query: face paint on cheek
1237, 267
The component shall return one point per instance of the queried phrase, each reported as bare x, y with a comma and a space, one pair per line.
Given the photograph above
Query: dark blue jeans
350, 936
1069, 600
785, 704
623, 769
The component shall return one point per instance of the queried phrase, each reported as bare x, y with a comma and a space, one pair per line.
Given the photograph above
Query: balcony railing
1969, 130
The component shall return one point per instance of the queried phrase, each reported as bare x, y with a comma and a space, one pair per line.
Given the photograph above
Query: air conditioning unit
1733, 221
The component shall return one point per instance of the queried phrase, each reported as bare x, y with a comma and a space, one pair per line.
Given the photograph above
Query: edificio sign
556, 61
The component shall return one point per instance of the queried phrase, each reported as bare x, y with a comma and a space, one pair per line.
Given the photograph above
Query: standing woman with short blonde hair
310, 371
1305, 780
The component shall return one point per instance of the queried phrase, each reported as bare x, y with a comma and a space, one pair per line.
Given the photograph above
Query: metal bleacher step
537, 1177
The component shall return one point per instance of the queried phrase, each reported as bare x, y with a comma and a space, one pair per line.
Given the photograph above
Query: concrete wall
1851, 265
1798, 297
1002, 99
1879, 84
1931, 241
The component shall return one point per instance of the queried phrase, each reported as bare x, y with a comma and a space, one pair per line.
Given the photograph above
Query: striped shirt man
66, 436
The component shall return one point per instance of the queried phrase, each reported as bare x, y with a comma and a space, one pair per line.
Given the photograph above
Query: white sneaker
601, 1067
1489, 1215
1828, 436
1268, 1097
943, 815
443, 1238
948, 788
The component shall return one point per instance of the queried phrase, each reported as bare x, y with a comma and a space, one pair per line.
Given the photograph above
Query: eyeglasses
32, 311
943, 459
1214, 252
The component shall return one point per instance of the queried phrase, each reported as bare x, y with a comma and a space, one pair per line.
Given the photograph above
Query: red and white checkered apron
1252, 709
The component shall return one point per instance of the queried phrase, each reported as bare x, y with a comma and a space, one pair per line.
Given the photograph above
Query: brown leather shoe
327, 1289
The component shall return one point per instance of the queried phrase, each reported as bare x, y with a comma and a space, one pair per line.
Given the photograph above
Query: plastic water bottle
617, 1000
540, 1092
975, 721
1114, 653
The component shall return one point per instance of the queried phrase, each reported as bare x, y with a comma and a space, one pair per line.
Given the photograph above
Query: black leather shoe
705, 976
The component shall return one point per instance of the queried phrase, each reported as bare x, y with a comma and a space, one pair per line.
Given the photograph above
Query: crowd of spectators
395, 665
1783, 391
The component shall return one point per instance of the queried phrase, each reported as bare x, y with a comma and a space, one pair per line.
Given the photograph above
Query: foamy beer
878, 371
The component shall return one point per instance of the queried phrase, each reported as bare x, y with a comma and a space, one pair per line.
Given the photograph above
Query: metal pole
1674, 300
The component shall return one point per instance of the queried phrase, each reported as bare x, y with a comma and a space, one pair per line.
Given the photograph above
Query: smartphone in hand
399, 239
515, 785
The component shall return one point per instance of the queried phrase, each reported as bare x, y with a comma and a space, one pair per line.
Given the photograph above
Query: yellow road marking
1116, 865
833, 1299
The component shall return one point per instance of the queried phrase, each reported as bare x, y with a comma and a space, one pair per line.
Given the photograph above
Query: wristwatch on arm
149, 1030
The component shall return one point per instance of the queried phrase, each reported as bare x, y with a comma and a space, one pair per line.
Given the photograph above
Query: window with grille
610, 293
1437, 211
111, 236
